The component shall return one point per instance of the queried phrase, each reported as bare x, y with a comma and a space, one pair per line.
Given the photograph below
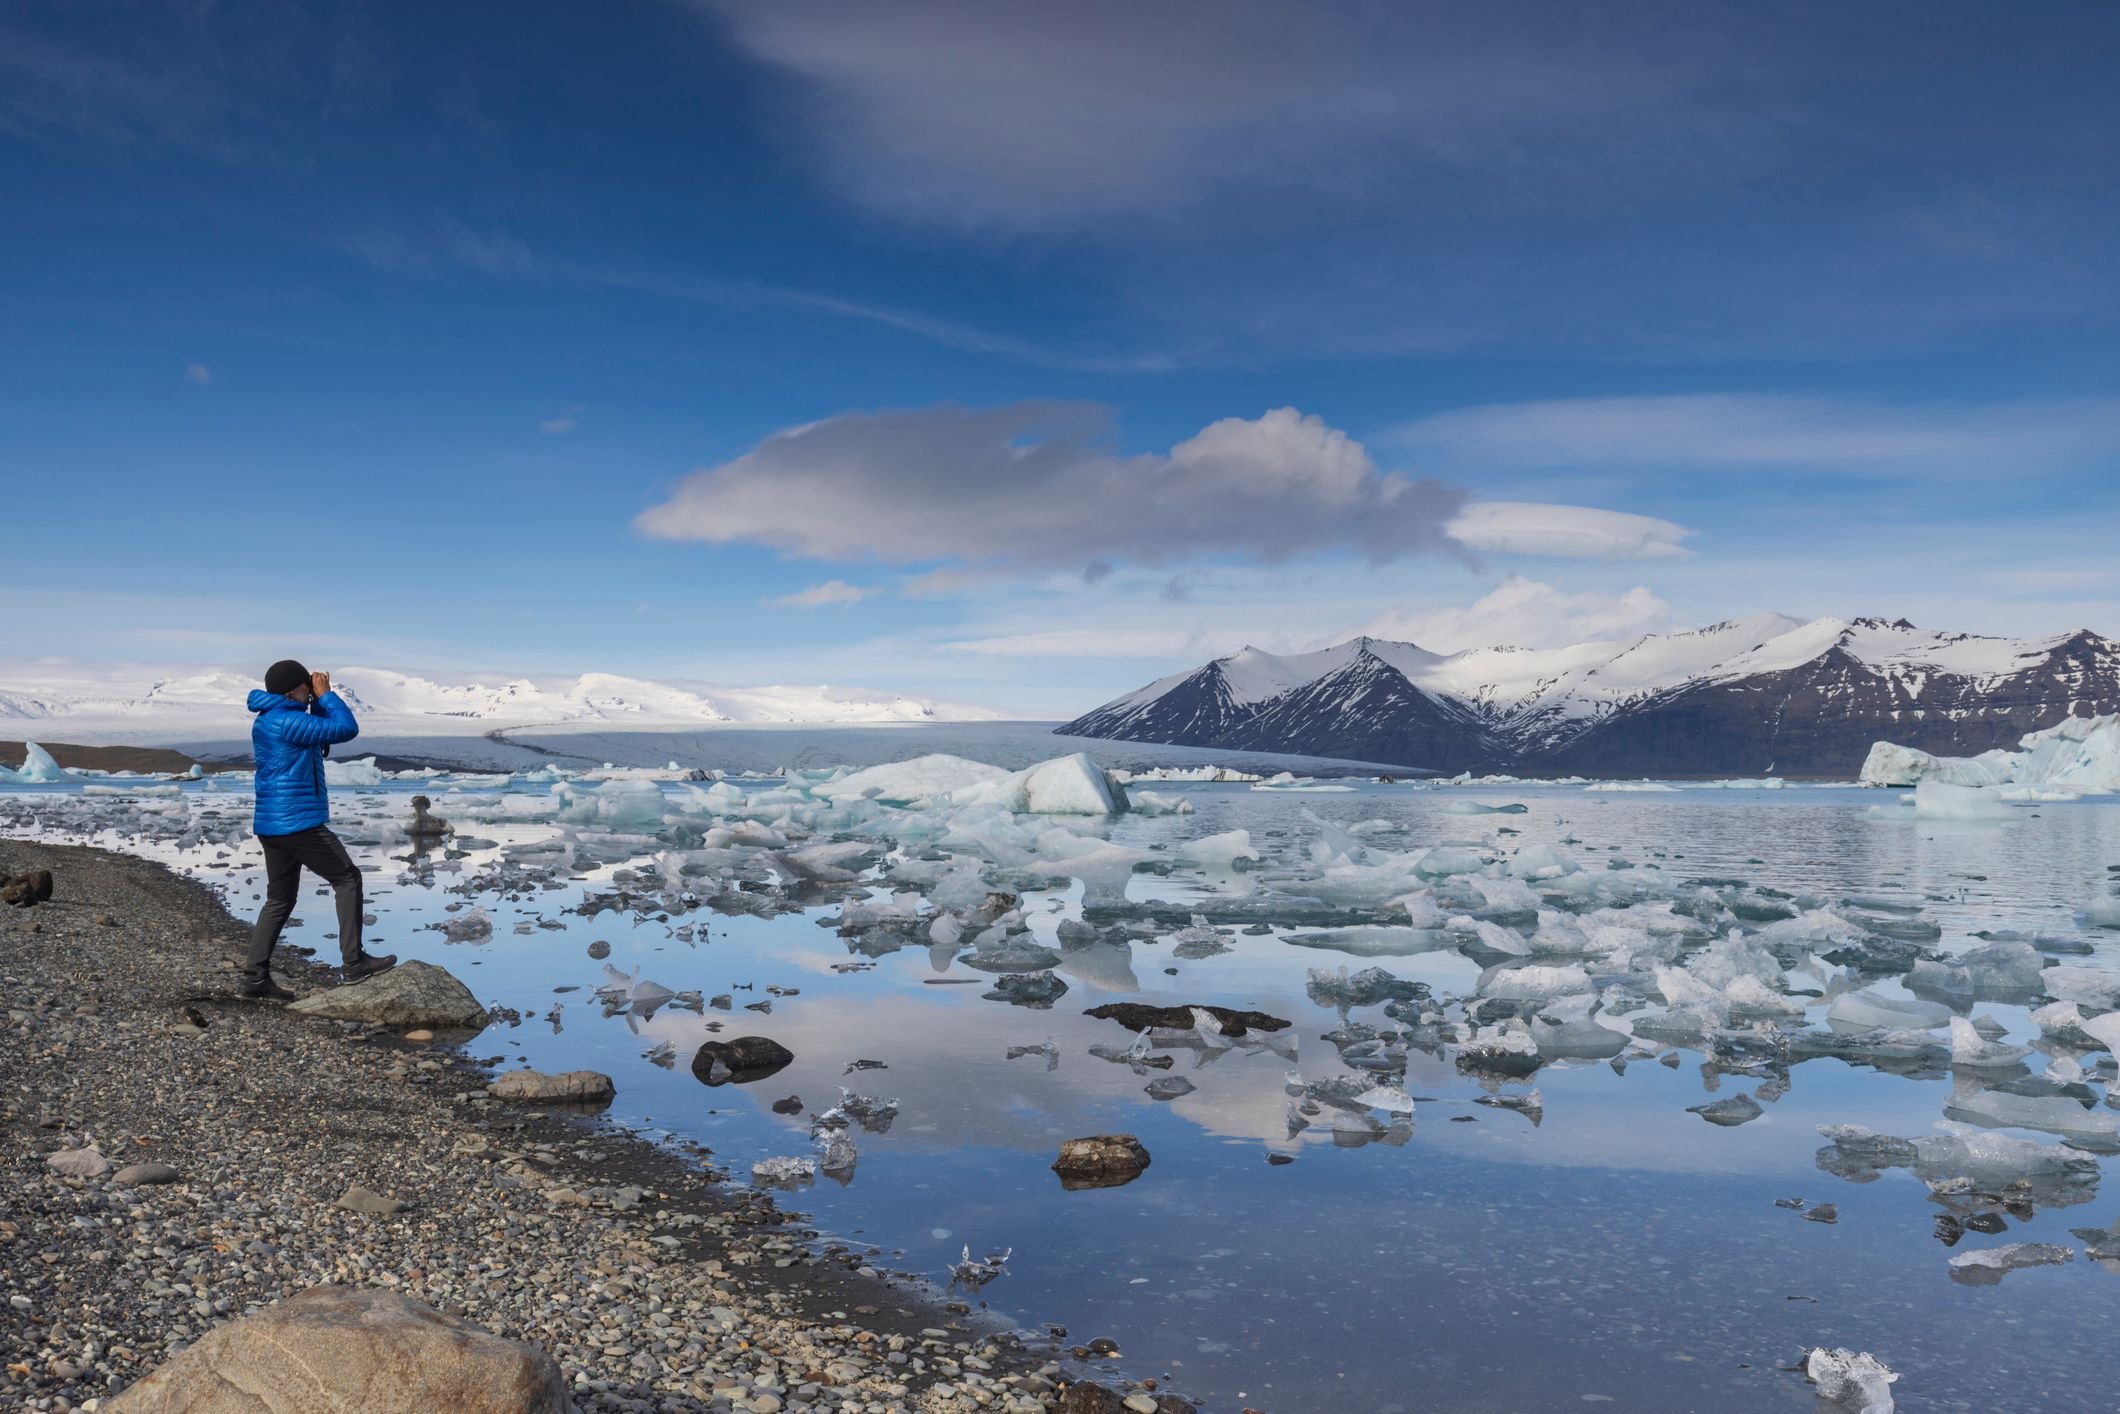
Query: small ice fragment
1736, 1110
1988, 1265
1854, 1383
1969, 1048
972, 1274
1169, 1087
792, 1168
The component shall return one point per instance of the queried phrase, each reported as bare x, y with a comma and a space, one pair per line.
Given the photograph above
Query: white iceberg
2082, 753
1858, 1383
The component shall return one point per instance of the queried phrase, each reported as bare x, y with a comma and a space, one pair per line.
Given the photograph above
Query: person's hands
320, 683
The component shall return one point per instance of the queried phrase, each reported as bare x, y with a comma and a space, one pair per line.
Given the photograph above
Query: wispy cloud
198, 373
560, 426
1526, 613
1569, 532
1748, 432
831, 593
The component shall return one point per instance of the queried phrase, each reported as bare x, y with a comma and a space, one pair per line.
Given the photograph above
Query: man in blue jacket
298, 720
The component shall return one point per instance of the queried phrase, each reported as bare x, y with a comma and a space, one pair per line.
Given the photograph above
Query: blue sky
944, 347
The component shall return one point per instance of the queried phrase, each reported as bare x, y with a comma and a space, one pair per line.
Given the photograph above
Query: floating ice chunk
1365, 988
1474, 807
1507, 1050
1447, 859
2004, 968
1390, 1098
621, 804
915, 782
1142, 802
1541, 861
2063, 1022
2056, 1114
1938, 800
1533, 983
362, 772
1989, 1265
1862, 1010
474, 925
1969, 1048
2090, 986
1375, 940
2100, 913
1853, 1383
1218, 851
37, 769
790, 1169
973, 1273
1170, 1087
838, 1157
2105, 1030
1068, 785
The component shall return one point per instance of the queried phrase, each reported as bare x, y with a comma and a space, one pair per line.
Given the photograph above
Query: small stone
599, 949
138, 1175
420, 1035
1100, 1161
79, 1163
357, 1199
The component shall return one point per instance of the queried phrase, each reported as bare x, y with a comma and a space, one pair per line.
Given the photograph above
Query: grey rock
566, 1087
136, 1175
79, 1163
410, 994
332, 1347
357, 1199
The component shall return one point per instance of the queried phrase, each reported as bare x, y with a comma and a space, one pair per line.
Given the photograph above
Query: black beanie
285, 676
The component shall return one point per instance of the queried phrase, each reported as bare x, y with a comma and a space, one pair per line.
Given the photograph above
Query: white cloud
560, 426
1033, 486
818, 596
1746, 431
1094, 643
1574, 532
1524, 613
198, 373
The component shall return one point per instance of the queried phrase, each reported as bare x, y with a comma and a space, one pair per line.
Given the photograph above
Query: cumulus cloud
1035, 486
1525, 613
819, 596
1573, 532
1748, 431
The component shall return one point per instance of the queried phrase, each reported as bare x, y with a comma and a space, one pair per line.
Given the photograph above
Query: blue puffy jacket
288, 741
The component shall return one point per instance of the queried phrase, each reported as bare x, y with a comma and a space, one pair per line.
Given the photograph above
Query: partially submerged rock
568, 1087
332, 1347
1100, 1161
410, 994
739, 1061
1139, 1016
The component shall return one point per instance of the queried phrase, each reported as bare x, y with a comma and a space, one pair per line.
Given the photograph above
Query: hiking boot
265, 991
367, 965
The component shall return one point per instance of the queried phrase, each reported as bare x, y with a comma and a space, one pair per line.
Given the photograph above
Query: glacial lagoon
1471, 1174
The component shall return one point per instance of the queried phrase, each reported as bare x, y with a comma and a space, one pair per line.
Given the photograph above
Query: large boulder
23, 890
410, 994
741, 1060
338, 1348
568, 1087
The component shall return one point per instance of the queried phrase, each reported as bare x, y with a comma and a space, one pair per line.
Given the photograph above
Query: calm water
1621, 1252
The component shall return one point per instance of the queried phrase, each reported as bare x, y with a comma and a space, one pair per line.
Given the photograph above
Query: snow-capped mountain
79, 705
1745, 697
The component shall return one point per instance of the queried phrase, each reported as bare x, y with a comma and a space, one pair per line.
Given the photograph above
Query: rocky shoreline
653, 1285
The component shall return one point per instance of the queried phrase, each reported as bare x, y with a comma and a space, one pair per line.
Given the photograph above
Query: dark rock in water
1082, 1397
1139, 1016
1170, 1087
1100, 1161
599, 949
24, 890
1823, 1213
425, 826
1031, 989
792, 1105
1738, 1109
739, 1061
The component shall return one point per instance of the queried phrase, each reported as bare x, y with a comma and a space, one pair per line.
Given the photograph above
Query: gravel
654, 1285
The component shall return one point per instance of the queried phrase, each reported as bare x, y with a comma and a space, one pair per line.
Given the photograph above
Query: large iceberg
37, 769
2082, 753
1069, 785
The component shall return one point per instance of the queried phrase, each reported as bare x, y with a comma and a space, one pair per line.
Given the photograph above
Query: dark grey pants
286, 856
